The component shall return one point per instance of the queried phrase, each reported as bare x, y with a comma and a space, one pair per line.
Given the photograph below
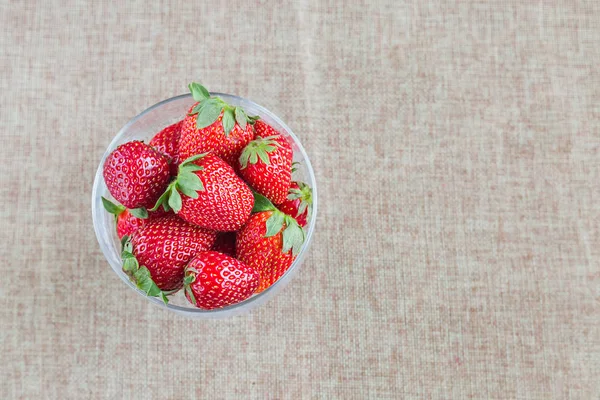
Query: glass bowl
143, 127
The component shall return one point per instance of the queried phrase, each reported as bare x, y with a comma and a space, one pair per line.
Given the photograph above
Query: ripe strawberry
127, 224
214, 197
266, 164
269, 242
136, 174
214, 280
225, 243
167, 142
158, 252
214, 126
128, 221
298, 203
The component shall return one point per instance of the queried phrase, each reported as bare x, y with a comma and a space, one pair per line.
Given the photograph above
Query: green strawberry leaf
162, 200
302, 208
140, 212
294, 194
252, 119
228, 121
190, 181
245, 156
164, 297
253, 157
175, 200
261, 203
126, 245
258, 149
189, 279
188, 290
295, 165
126, 253
209, 112
190, 168
188, 161
264, 157
199, 92
124, 241
241, 117
293, 236
111, 207
145, 283
274, 223
187, 191
130, 265
186, 182
196, 109
298, 245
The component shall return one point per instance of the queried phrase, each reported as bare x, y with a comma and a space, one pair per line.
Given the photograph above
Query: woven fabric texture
456, 146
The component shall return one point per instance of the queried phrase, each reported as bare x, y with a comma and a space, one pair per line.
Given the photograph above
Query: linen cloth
456, 146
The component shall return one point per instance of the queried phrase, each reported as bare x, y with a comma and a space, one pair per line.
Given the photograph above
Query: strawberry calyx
295, 165
258, 149
293, 235
186, 182
117, 209
209, 108
140, 275
190, 276
304, 194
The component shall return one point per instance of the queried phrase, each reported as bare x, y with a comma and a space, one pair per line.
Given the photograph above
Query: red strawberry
298, 203
128, 221
158, 252
225, 243
214, 197
215, 280
214, 126
167, 142
127, 224
136, 174
266, 164
269, 242
263, 129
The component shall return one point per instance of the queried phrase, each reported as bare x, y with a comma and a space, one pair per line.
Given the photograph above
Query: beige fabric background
456, 146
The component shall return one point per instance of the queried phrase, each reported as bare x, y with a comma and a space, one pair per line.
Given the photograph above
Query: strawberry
157, 253
136, 174
266, 164
225, 243
298, 203
128, 221
167, 142
212, 195
269, 242
214, 280
214, 126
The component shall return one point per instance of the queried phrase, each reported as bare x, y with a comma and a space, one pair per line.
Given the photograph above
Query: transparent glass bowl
143, 127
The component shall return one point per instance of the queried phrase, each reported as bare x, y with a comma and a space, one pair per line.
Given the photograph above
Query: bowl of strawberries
205, 204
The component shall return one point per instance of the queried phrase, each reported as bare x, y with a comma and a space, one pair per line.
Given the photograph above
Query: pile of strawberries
208, 205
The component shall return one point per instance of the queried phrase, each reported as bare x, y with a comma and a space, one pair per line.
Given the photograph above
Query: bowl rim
255, 300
